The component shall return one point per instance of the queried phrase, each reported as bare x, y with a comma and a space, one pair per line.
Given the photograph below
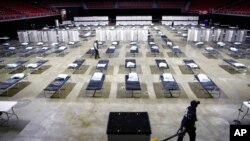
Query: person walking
188, 122
96, 50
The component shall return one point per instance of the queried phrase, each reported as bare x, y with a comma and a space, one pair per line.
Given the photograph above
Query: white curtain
52, 36
23, 36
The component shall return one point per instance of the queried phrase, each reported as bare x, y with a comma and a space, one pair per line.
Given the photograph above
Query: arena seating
17, 9
240, 8
98, 5
141, 4
170, 4
196, 6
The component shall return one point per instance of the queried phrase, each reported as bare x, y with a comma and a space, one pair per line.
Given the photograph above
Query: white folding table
6, 107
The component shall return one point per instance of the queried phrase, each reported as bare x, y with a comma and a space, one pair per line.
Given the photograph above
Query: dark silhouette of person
188, 122
96, 50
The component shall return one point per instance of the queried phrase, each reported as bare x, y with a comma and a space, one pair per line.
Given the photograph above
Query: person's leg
181, 136
192, 135
96, 53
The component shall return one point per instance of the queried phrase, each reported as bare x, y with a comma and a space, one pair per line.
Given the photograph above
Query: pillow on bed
175, 46
192, 65
162, 64
62, 76
12, 65
32, 65
112, 47
17, 76
97, 76
151, 43
233, 49
53, 44
133, 76
239, 65
92, 48
133, 48
168, 77
73, 65
130, 64
29, 48
203, 78
221, 43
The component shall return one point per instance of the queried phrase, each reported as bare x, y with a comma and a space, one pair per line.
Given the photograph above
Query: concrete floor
82, 118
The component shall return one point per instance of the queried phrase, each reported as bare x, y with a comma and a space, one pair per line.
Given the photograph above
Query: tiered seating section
242, 8
141, 4
197, 6
17, 9
170, 4
99, 5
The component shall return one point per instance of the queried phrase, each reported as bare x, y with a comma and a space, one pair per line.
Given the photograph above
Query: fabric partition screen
63, 36
52, 36
23, 36
33, 37
73, 35
44, 35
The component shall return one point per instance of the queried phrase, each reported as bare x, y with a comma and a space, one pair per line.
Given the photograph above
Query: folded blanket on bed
112, 47
151, 43
62, 76
39, 43
209, 48
169, 43
73, 65
233, 49
133, 43
32, 65
221, 43
12, 65
133, 76
114, 43
71, 43
62, 48
130, 64
168, 77
162, 64
25, 44
155, 47
199, 43
12, 48
192, 65
17, 76
29, 48
45, 48
175, 46
239, 65
203, 78
97, 76
237, 43
101, 65
92, 48
53, 44
133, 48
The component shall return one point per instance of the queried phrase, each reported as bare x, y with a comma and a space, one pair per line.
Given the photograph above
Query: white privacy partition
122, 34
180, 20
23, 36
52, 36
